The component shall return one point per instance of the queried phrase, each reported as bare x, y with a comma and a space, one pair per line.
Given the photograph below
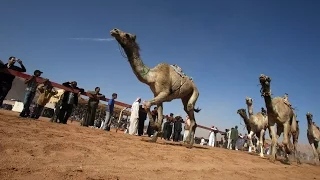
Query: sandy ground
42, 150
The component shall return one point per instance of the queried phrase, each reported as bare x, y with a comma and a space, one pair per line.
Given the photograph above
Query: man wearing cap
30, 92
7, 79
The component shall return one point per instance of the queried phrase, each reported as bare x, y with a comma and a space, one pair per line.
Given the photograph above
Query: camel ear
134, 37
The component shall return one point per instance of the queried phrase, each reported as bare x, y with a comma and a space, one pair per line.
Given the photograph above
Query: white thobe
134, 118
229, 140
212, 139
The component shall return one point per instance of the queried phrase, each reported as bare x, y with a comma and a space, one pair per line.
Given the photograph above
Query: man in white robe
229, 139
186, 128
134, 117
212, 136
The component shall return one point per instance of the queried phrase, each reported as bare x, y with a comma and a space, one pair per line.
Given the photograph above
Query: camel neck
269, 105
246, 121
137, 65
250, 110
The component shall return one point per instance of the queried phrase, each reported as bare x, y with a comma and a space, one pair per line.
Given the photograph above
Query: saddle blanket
179, 71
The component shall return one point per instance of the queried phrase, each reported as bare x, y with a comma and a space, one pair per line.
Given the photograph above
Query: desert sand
38, 149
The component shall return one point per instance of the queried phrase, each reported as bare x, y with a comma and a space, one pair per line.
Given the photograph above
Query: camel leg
250, 139
160, 98
160, 121
286, 139
315, 154
295, 146
318, 151
261, 143
190, 108
274, 141
188, 104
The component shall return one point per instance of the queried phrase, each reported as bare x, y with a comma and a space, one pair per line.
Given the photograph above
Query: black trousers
4, 90
176, 136
150, 130
233, 144
37, 111
65, 113
90, 116
140, 127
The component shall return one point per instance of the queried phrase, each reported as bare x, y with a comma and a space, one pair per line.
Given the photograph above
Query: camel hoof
152, 141
272, 160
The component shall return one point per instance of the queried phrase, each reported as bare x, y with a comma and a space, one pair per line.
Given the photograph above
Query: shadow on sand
173, 144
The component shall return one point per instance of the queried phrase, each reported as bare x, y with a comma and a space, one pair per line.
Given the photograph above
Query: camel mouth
264, 79
115, 32
309, 116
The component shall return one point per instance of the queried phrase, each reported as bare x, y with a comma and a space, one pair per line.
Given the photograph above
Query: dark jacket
67, 93
8, 78
234, 134
142, 114
177, 126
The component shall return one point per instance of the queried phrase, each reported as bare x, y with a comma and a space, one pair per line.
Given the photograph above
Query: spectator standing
154, 113
212, 136
92, 107
234, 137
46, 92
134, 117
69, 101
105, 125
170, 126
30, 92
142, 119
177, 128
186, 128
7, 79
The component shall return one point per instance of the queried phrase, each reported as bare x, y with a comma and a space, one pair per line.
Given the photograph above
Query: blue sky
223, 45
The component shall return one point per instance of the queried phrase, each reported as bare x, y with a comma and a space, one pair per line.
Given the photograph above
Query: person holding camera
7, 79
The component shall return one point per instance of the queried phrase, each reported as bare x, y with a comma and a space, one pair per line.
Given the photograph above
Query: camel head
126, 40
242, 112
309, 118
249, 101
265, 85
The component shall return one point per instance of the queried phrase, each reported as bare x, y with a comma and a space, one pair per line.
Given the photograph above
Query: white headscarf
137, 99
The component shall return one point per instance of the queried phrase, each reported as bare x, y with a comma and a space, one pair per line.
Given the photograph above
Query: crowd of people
68, 105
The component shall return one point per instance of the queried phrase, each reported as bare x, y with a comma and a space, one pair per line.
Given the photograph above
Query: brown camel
258, 123
165, 82
280, 113
313, 135
244, 116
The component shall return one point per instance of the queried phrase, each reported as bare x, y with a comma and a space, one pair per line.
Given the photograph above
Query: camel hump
179, 70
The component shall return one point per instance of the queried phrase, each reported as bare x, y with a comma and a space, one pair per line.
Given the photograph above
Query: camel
258, 123
167, 82
253, 128
280, 113
244, 116
313, 135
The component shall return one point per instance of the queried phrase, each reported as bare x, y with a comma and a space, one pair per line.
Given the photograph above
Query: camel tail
197, 110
